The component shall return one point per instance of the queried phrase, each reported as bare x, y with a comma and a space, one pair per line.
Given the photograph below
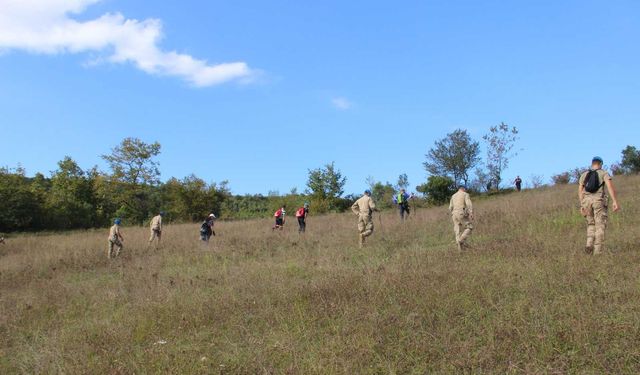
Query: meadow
524, 299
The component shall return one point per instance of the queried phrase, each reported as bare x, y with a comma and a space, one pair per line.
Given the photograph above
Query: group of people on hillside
116, 238
593, 187
301, 216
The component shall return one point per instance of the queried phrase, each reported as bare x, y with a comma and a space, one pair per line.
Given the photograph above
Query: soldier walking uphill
115, 240
461, 210
594, 203
364, 208
156, 228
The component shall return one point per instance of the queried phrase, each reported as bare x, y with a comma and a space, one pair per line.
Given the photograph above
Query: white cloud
47, 27
341, 103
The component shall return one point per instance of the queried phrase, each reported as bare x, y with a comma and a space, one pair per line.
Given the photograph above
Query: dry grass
524, 300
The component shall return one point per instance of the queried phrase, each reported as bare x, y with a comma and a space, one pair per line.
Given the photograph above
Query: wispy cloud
47, 27
341, 103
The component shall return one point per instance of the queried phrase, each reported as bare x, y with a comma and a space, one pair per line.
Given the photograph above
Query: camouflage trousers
365, 225
115, 246
462, 226
155, 233
596, 210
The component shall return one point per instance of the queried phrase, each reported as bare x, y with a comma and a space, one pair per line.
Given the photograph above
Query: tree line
74, 198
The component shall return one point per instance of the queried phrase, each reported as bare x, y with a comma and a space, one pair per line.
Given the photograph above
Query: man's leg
361, 230
591, 226
118, 248
368, 221
600, 214
456, 227
401, 213
110, 250
468, 228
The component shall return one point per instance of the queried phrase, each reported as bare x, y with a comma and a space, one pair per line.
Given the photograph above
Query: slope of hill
525, 299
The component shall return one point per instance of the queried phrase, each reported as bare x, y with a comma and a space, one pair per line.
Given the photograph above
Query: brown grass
524, 300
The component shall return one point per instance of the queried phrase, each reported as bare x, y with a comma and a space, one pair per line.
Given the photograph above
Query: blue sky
370, 85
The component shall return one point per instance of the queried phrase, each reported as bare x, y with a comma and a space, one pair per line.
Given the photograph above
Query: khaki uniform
156, 228
364, 208
596, 207
461, 210
114, 241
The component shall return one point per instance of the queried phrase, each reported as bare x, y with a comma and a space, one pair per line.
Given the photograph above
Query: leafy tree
438, 189
134, 172
20, 208
326, 186
70, 201
500, 141
630, 160
403, 182
382, 194
454, 156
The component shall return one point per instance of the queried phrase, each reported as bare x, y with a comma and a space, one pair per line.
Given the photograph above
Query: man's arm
467, 202
451, 204
372, 205
355, 208
612, 192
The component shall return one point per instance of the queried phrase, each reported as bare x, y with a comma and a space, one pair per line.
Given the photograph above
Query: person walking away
461, 210
206, 228
156, 228
402, 200
279, 215
364, 208
594, 203
115, 239
518, 182
301, 215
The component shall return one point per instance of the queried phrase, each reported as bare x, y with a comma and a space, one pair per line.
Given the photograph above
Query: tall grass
525, 299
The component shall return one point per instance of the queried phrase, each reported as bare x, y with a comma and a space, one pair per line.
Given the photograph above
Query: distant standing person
279, 215
594, 203
301, 214
518, 182
461, 210
115, 239
156, 228
364, 208
402, 200
206, 228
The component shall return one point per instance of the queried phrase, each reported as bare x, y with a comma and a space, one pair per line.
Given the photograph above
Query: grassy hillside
525, 299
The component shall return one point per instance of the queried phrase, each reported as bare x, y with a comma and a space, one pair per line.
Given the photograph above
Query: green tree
20, 206
70, 200
135, 173
454, 155
630, 160
382, 194
438, 189
500, 141
403, 182
326, 186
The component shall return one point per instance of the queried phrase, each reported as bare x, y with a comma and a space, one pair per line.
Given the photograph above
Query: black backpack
205, 228
592, 182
